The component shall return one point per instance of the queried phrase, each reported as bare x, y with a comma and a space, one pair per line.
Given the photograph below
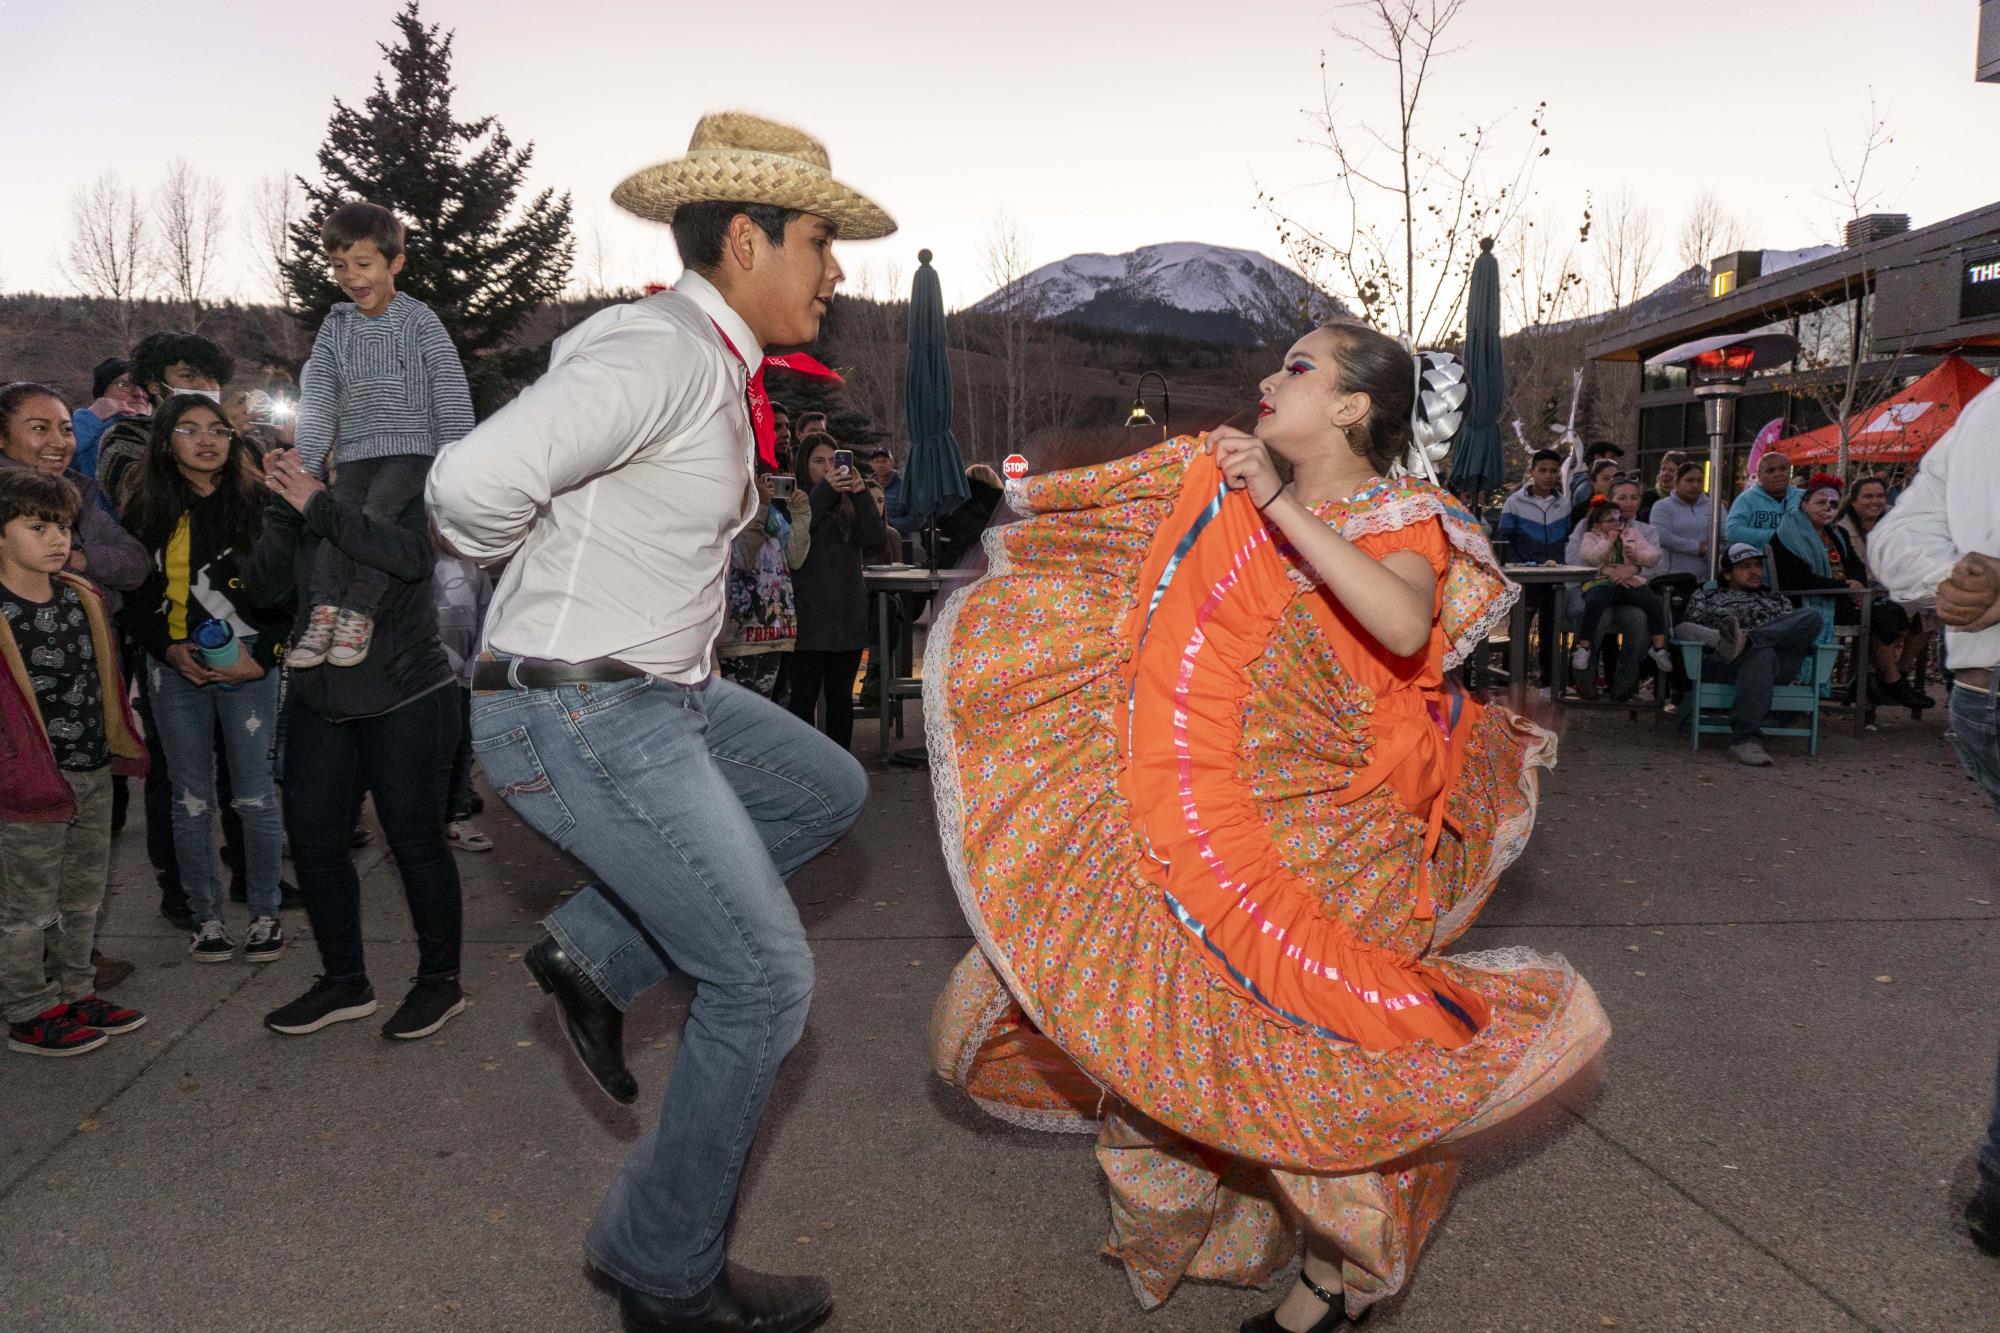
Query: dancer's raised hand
1245, 463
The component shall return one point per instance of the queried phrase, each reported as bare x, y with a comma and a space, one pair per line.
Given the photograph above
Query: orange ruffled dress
1211, 839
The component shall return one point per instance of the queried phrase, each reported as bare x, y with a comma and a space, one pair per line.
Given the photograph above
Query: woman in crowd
1813, 553
762, 624
1621, 549
388, 724
195, 503
1867, 500
832, 600
1213, 809
36, 432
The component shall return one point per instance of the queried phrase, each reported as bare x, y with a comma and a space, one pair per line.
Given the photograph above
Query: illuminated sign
1979, 285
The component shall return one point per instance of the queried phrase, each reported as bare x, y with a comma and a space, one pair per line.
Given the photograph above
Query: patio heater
1717, 369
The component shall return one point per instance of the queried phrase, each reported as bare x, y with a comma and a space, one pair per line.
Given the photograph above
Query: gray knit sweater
381, 386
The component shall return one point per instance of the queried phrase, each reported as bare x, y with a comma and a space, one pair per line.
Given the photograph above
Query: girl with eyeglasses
211, 660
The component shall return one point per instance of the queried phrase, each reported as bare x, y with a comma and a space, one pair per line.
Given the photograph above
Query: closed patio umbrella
1476, 468
934, 473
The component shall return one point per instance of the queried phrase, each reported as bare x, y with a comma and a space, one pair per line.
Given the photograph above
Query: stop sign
1015, 467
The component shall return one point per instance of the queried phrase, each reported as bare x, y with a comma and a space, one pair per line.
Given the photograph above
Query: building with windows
1870, 315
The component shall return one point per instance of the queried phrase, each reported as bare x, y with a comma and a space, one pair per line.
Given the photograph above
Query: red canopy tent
1897, 429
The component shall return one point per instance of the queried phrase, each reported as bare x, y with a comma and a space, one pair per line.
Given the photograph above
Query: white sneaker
1662, 659
1751, 753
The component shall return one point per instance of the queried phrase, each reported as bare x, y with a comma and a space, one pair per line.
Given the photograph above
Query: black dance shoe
594, 1026
738, 1301
1334, 1318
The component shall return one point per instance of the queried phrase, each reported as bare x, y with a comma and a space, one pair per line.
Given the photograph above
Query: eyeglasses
219, 432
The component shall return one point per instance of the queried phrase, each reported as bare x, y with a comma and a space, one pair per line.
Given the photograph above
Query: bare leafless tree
1836, 374
274, 208
1400, 239
1708, 230
110, 249
190, 218
1003, 259
1628, 249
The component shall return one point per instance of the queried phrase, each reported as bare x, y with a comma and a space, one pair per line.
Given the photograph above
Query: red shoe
56, 1032
106, 1017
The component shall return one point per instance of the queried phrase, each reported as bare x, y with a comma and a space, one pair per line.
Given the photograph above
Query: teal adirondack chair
1707, 702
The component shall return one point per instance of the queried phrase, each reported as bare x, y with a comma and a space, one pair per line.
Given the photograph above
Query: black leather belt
534, 673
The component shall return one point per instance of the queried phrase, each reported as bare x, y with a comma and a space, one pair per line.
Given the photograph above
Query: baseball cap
107, 370
1741, 551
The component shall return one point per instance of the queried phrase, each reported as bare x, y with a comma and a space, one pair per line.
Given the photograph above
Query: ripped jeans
187, 715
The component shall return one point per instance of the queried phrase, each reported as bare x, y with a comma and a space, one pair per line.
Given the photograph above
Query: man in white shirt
614, 486
1941, 544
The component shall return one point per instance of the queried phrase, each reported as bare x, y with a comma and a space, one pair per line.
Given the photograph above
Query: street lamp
1718, 368
1140, 416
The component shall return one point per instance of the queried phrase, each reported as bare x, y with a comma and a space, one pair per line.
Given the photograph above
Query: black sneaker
1982, 1219
431, 1003
176, 914
266, 941
210, 943
331, 1000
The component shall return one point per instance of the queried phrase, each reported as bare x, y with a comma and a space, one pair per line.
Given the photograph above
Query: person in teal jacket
1761, 508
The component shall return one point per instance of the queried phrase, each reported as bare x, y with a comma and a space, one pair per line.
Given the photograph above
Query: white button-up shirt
1951, 509
616, 483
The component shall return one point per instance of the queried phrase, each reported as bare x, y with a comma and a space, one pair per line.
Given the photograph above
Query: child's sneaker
211, 943
351, 633
1661, 659
463, 837
56, 1032
105, 1016
314, 643
266, 941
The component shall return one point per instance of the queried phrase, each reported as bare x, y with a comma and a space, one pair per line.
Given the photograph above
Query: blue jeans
1975, 734
690, 804
187, 715
1772, 654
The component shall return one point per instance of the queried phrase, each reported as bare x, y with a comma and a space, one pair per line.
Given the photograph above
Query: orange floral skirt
1087, 1006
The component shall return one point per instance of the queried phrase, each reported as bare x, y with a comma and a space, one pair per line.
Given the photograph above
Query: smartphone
782, 486
843, 459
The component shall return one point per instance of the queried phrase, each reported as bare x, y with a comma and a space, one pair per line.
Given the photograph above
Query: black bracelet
1273, 500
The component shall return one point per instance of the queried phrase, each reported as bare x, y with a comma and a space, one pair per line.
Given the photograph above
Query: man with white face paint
614, 487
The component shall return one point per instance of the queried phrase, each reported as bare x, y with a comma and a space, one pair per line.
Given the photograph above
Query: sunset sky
1100, 127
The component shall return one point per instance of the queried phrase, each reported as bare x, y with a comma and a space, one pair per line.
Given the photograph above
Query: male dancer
1942, 542
615, 484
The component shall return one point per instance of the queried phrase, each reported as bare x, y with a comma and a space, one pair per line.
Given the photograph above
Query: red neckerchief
762, 424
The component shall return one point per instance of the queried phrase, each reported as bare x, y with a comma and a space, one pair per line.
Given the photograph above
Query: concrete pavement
1799, 964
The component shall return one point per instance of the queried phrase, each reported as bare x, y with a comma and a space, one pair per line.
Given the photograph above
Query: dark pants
458, 787
160, 811
1772, 652
827, 677
404, 758
1540, 600
1607, 595
383, 488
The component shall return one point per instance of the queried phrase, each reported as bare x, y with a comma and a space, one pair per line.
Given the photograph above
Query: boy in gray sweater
382, 392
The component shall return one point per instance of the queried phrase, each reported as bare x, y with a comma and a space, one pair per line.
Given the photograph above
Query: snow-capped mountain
1183, 288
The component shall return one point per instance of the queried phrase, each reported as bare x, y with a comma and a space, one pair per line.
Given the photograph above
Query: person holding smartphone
845, 522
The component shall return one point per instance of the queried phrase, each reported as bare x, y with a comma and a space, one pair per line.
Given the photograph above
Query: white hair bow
1436, 415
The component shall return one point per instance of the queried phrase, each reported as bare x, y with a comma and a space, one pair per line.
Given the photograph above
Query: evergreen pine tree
482, 264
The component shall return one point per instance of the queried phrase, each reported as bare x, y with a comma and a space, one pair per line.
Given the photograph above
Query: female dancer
1213, 812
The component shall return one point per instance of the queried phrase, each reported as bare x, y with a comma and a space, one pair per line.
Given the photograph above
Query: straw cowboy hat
738, 158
